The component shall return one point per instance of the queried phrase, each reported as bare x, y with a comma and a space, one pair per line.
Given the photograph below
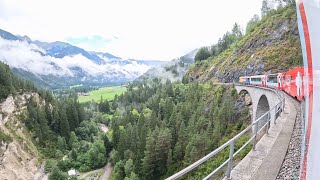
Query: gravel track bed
290, 168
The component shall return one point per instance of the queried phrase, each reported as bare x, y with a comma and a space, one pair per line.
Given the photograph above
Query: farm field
106, 93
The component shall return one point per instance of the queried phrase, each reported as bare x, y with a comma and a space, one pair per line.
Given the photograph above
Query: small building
72, 172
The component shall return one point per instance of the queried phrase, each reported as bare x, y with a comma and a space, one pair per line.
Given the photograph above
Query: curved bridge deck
265, 162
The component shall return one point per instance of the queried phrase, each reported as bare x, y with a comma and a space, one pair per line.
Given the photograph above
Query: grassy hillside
106, 93
273, 45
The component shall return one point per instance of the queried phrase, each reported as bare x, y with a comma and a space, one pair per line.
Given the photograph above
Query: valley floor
106, 93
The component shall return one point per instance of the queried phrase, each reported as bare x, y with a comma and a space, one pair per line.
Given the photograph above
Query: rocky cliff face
19, 158
273, 46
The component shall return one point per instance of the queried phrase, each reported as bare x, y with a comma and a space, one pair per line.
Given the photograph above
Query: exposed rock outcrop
273, 46
19, 159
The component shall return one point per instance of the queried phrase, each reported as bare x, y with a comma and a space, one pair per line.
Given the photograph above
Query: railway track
290, 168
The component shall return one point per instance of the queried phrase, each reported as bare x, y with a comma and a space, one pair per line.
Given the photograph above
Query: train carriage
275, 80
259, 80
291, 81
244, 79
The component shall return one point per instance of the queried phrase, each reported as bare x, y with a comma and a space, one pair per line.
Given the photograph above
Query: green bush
4, 137
50, 165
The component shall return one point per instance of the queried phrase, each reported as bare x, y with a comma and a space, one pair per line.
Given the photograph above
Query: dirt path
87, 174
107, 172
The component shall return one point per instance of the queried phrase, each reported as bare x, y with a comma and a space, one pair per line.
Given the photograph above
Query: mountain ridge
59, 64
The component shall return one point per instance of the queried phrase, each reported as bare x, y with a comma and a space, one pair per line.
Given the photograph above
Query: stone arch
245, 95
262, 108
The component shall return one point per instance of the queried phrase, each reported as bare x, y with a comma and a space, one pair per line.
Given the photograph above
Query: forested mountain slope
270, 45
158, 129
42, 134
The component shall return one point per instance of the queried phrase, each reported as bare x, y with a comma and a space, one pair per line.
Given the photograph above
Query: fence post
275, 114
268, 123
283, 102
230, 160
255, 134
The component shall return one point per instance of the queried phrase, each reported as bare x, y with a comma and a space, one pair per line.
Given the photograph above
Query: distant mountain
8, 36
105, 55
173, 70
59, 64
24, 38
61, 49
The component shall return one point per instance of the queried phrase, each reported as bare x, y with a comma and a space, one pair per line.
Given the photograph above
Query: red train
290, 81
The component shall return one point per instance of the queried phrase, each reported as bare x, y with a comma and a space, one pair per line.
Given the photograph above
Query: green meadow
106, 93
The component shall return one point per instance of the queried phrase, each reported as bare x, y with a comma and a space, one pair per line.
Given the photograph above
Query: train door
299, 85
280, 75
288, 84
264, 80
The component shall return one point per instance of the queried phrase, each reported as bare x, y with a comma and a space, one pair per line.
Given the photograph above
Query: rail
278, 109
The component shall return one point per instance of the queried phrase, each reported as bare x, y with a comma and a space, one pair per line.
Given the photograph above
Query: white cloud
26, 56
162, 29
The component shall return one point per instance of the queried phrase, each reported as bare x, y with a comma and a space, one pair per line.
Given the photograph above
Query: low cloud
31, 58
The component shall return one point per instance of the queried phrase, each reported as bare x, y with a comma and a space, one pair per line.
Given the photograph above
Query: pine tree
100, 104
64, 124
43, 124
133, 176
57, 174
55, 123
128, 167
97, 155
169, 159
149, 160
81, 112
48, 113
122, 145
61, 143
252, 23
73, 141
32, 118
119, 170
106, 106
266, 7
202, 54
107, 144
163, 145
236, 30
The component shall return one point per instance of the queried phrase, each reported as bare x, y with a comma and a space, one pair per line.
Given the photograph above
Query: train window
289, 78
272, 79
256, 79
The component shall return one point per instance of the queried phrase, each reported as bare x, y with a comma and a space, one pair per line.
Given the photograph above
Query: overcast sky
141, 29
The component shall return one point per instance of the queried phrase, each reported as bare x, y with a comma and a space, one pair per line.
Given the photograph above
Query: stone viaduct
263, 99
